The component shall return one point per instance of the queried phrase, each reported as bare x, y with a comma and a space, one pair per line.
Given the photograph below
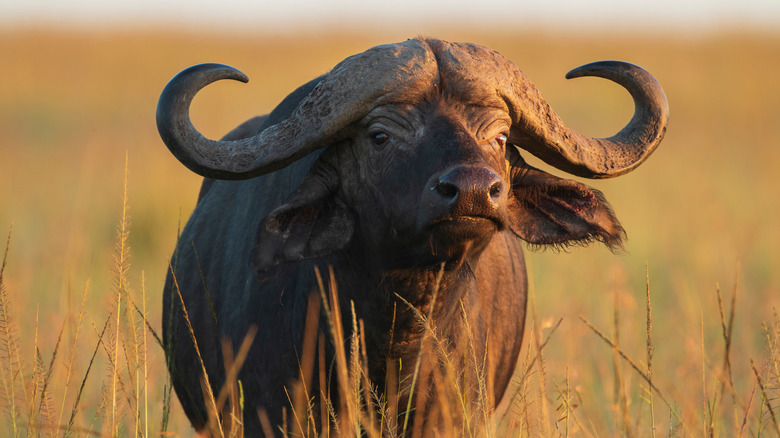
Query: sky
295, 15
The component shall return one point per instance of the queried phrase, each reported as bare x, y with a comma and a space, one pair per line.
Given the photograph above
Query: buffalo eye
379, 138
501, 139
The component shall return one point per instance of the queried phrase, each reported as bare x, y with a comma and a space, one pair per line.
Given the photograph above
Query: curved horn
484, 77
577, 154
402, 72
199, 154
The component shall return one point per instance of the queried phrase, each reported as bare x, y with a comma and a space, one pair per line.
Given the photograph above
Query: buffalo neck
401, 300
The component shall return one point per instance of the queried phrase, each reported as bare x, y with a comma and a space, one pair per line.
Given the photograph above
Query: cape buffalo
400, 172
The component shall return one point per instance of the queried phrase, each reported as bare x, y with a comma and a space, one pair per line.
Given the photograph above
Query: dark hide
405, 191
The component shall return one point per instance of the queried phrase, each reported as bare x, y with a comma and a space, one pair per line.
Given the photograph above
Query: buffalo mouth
461, 228
451, 239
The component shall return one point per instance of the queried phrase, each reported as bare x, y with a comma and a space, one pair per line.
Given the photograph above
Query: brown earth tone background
702, 212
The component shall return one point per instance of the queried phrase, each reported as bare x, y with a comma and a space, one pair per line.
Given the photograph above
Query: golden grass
74, 353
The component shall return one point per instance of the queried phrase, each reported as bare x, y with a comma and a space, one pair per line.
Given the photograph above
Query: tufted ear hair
547, 210
313, 222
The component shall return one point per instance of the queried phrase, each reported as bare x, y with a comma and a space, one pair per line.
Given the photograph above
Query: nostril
446, 190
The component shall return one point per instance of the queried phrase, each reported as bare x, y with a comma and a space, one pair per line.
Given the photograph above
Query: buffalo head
422, 160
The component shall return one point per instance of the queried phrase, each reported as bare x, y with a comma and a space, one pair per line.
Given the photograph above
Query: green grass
701, 214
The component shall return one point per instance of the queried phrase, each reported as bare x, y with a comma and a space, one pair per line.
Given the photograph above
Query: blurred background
80, 82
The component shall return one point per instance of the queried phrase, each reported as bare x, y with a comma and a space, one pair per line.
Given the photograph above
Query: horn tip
602, 68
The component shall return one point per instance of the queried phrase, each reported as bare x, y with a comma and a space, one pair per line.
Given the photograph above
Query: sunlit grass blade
76, 404
636, 368
8, 347
214, 424
765, 397
73, 350
650, 348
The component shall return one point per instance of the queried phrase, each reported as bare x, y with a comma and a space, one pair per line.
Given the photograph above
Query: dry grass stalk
333, 314
390, 415
45, 409
635, 367
727, 328
360, 404
771, 332
133, 364
704, 396
372, 400
772, 335
73, 350
76, 404
724, 378
144, 315
35, 375
300, 430
358, 395
127, 351
765, 397
568, 405
518, 399
518, 405
484, 382
543, 407
121, 267
166, 405
427, 332
9, 346
265, 423
54, 428
452, 383
564, 407
620, 398
146, 356
302, 388
443, 405
354, 372
650, 349
233, 418
324, 391
747, 410
214, 424
36, 378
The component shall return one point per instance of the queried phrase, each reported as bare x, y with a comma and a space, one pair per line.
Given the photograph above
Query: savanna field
93, 201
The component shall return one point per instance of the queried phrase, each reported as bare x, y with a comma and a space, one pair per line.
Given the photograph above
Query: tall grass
34, 388
360, 411
122, 408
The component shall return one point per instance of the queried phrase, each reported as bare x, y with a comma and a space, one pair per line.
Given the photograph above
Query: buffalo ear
547, 210
312, 223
